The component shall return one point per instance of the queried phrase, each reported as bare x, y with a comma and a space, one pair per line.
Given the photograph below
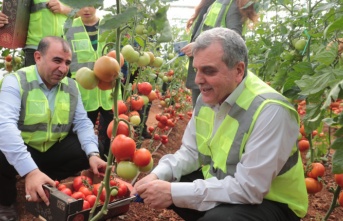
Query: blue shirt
11, 142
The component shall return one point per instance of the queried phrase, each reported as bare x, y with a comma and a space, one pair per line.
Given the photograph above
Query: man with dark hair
45, 134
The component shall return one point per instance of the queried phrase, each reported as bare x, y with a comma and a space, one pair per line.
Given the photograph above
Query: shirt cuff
183, 195
163, 173
25, 166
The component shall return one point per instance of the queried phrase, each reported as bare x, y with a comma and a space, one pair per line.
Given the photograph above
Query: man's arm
84, 129
11, 142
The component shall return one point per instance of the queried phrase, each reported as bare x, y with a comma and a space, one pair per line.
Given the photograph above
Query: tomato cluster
129, 159
83, 188
313, 182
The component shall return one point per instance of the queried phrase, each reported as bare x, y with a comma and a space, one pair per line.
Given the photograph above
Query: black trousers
266, 211
106, 116
62, 160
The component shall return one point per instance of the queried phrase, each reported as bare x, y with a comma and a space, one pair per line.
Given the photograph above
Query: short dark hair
45, 43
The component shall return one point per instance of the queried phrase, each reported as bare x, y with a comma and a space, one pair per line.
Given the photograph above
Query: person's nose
64, 68
199, 79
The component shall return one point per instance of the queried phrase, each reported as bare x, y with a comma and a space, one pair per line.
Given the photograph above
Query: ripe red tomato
144, 88
61, 186
86, 205
303, 145
164, 141
141, 157
170, 123
313, 185
85, 190
8, 58
316, 170
78, 195
91, 200
151, 129
136, 102
339, 179
80, 180
122, 108
67, 191
157, 137
96, 190
123, 147
164, 119
57, 183
123, 128
340, 199
122, 190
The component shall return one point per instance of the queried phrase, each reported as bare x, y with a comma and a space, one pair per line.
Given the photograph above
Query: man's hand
156, 193
34, 186
56, 6
3, 19
97, 164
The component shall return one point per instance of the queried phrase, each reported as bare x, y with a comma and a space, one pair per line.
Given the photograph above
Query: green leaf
337, 160
335, 26
337, 144
304, 67
80, 4
326, 57
313, 84
119, 20
339, 132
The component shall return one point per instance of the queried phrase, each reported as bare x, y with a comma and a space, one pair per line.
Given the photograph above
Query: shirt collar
231, 99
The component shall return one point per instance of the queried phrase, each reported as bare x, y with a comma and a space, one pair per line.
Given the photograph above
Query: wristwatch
93, 154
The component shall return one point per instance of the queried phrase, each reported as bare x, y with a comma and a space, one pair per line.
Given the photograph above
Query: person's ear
240, 67
37, 55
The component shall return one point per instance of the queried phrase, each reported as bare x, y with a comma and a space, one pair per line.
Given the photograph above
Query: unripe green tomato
114, 192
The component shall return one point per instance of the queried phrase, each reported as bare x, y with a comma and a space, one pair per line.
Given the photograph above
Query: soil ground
319, 203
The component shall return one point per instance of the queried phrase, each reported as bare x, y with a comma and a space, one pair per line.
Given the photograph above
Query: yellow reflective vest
39, 127
83, 55
221, 153
43, 23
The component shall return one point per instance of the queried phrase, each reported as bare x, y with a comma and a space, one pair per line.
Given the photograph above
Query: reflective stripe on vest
83, 55
38, 128
38, 6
